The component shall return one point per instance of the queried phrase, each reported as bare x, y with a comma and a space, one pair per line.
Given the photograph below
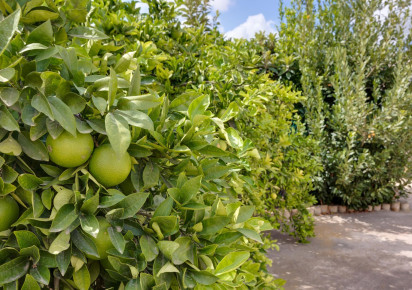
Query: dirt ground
350, 251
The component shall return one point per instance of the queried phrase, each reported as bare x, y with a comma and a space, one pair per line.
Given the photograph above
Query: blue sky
243, 18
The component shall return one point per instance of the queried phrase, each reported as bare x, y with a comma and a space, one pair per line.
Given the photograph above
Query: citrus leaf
137, 119
29, 181
118, 132
64, 218
13, 270
26, 239
204, 277
41, 274
41, 104
231, 262
90, 205
30, 283
214, 224
60, 243
63, 114
34, 149
149, 248
63, 261
7, 120
84, 243
8, 26
41, 34
198, 106
251, 234
132, 203
82, 278
151, 175
117, 239
9, 96
10, 146
89, 224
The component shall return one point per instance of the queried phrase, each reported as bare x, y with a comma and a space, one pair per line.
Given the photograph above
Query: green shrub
177, 220
354, 69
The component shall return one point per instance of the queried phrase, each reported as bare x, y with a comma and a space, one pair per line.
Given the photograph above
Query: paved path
350, 251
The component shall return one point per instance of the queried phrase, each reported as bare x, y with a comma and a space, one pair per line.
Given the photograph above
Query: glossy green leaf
214, 224
30, 283
168, 268
167, 224
204, 277
117, 239
6, 74
90, 205
151, 175
132, 203
26, 239
89, 224
34, 149
165, 208
84, 243
39, 14
149, 247
231, 262
29, 181
198, 106
82, 278
8, 26
63, 261
9, 96
13, 270
41, 104
137, 119
118, 132
64, 218
7, 121
251, 234
136, 82
63, 114
10, 146
41, 274
42, 34
60, 243
168, 248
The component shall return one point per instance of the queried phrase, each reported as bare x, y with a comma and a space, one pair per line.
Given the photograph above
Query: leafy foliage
351, 59
177, 221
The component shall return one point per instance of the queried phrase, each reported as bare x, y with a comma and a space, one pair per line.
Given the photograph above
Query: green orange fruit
69, 151
108, 168
9, 212
102, 240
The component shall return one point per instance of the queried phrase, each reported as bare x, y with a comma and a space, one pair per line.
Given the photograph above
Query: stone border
396, 206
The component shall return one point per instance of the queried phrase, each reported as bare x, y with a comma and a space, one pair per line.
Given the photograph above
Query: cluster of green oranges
69, 151
105, 165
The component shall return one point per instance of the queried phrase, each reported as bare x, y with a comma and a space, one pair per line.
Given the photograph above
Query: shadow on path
350, 251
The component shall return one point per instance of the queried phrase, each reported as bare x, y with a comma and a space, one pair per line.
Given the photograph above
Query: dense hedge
352, 62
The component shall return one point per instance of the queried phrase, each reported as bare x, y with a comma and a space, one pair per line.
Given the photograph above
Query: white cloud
253, 24
221, 5
144, 8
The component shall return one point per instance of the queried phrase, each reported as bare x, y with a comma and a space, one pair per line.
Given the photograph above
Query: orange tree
276, 153
109, 177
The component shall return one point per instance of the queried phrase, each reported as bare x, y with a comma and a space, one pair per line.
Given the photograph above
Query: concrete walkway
350, 251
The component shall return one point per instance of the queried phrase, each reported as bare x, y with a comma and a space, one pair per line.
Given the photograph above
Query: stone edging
318, 210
